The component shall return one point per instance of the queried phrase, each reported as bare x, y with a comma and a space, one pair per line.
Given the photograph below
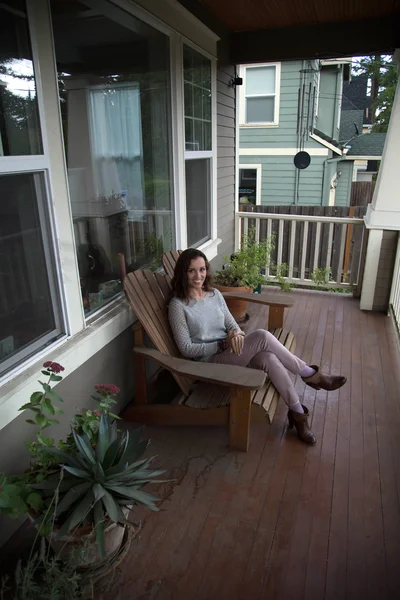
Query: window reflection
19, 118
114, 83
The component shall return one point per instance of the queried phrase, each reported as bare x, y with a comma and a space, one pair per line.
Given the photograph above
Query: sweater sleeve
180, 330
230, 322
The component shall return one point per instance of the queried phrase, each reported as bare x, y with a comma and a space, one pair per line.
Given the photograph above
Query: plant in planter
244, 271
81, 489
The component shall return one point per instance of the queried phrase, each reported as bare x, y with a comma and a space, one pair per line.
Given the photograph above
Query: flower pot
81, 543
237, 308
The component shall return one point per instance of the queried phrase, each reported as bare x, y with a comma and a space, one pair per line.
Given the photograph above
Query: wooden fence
361, 193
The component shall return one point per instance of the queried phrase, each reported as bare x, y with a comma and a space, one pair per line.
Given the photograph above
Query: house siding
278, 180
282, 183
343, 188
226, 139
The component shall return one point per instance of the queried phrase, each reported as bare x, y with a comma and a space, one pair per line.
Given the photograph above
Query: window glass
198, 186
19, 116
247, 186
114, 82
260, 110
260, 80
197, 93
28, 309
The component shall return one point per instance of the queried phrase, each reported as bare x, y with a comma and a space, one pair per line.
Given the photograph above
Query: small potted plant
80, 491
244, 272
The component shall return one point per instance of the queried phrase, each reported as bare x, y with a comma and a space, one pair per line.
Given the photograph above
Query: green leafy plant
247, 265
86, 479
321, 276
281, 274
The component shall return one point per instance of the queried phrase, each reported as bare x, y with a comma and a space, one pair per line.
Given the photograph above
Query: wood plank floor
286, 521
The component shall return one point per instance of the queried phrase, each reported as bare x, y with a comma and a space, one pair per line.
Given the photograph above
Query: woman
204, 329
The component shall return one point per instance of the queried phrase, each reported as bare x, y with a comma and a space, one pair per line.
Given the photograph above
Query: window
114, 85
197, 75
19, 115
259, 95
249, 185
30, 311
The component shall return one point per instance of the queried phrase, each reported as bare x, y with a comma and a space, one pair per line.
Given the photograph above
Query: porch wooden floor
286, 521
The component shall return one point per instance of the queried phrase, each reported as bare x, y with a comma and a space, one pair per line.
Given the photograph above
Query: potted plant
243, 272
80, 491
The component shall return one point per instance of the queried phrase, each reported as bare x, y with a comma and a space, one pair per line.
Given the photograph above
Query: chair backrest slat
169, 260
148, 295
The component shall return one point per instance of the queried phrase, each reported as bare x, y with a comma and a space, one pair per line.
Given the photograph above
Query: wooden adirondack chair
212, 394
277, 304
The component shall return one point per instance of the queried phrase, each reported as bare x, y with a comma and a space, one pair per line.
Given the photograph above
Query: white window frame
243, 96
209, 246
258, 169
84, 338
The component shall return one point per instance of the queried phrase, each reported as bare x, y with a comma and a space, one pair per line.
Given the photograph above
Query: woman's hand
235, 340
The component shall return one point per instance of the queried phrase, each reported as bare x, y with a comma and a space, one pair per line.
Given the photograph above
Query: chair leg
239, 419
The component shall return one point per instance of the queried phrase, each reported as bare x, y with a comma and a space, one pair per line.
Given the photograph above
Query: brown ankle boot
319, 381
300, 421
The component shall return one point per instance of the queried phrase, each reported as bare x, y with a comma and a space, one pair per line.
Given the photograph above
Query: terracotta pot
84, 538
237, 308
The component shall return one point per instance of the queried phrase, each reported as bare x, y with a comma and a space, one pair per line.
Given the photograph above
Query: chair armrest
227, 375
260, 298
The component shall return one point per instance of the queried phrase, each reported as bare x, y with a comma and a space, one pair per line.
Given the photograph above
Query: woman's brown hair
180, 285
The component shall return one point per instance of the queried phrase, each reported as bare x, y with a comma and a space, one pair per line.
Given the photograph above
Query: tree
381, 69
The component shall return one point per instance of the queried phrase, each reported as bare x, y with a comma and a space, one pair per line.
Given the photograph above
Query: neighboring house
286, 107
364, 147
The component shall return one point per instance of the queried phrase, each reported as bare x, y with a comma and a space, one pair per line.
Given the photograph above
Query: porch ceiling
267, 30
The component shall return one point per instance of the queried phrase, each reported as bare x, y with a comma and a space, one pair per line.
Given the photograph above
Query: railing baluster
304, 252
269, 231
257, 230
316, 248
341, 253
291, 249
280, 243
329, 250
246, 226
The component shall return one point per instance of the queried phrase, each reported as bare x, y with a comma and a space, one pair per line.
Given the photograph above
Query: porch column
383, 218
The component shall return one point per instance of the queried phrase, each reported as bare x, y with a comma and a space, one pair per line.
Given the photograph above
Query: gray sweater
198, 325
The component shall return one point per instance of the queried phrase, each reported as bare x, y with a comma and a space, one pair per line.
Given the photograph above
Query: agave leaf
111, 454
136, 495
77, 472
98, 472
125, 469
66, 458
99, 517
72, 496
112, 507
135, 450
102, 439
79, 513
84, 447
133, 477
98, 491
113, 432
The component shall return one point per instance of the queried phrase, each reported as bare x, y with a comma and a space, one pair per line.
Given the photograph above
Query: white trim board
320, 140
281, 151
362, 157
371, 267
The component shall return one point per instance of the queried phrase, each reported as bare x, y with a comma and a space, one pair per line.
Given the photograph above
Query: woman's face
197, 273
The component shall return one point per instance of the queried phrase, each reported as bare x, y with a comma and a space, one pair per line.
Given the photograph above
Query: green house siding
281, 182
278, 180
343, 188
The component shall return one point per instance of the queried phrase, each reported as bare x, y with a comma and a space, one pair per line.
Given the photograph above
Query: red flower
97, 413
54, 367
107, 389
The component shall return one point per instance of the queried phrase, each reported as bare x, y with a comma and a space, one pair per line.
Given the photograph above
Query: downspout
299, 130
324, 178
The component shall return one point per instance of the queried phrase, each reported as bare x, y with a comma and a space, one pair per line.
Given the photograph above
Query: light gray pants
263, 351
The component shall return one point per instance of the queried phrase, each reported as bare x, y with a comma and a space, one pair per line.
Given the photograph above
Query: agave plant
97, 480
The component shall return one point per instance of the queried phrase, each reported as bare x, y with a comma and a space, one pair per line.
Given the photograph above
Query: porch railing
305, 246
394, 302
